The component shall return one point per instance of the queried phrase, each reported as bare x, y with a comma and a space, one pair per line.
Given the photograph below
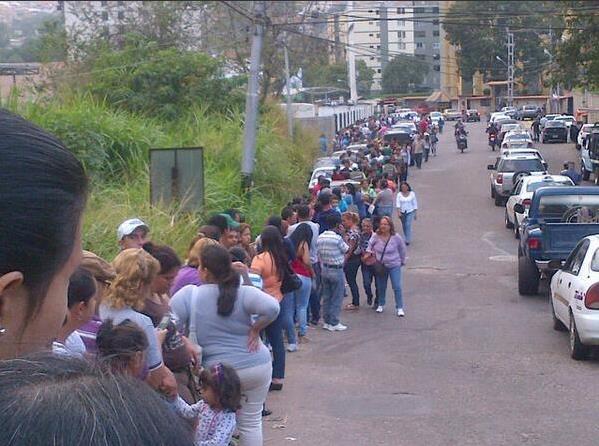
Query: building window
103, 3
421, 56
420, 34
370, 23
371, 57
401, 11
436, 45
420, 45
485, 102
104, 15
436, 33
401, 23
120, 15
401, 34
379, 70
435, 10
437, 67
378, 36
371, 46
401, 45
435, 22
377, 12
370, 35
378, 47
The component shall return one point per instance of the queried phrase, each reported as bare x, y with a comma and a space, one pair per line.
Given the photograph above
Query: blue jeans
302, 296
314, 304
288, 310
381, 286
367, 277
351, 272
274, 333
332, 287
384, 210
406, 223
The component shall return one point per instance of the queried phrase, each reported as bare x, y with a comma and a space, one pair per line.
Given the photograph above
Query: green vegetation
403, 74
114, 146
335, 75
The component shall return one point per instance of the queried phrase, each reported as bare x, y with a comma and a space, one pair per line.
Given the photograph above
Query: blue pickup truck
557, 219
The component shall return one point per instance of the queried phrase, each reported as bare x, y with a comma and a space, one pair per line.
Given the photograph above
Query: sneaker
292, 348
339, 327
379, 309
328, 327
400, 312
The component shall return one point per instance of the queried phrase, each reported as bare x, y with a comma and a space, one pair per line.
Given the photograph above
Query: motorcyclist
460, 133
459, 126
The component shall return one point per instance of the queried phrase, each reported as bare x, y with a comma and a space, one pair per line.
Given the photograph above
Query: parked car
510, 111
407, 125
554, 131
495, 116
506, 126
328, 161
507, 171
402, 135
575, 297
472, 115
582, 134
546, 119
558, 218
327, 172
524, 152
522, 194
567, 119
436, 116
451, 114
527, 112
516, 135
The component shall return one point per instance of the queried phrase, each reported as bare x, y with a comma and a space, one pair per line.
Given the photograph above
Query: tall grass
114, 146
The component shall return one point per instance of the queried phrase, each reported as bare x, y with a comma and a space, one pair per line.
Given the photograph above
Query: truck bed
560, 238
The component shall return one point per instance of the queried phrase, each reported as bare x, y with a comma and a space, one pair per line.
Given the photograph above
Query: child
121, 348
215, 414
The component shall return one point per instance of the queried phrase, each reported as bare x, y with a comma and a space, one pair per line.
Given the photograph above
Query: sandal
352, 307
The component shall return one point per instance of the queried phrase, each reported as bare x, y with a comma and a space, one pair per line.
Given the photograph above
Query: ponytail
217, 260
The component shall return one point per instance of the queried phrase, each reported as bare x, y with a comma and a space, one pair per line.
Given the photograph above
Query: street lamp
501, 60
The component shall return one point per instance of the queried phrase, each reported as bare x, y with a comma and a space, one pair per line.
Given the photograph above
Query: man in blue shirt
326, 209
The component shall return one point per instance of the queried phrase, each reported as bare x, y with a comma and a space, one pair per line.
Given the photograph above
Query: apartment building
427, 40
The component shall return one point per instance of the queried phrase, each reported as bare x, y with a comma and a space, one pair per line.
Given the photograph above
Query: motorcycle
462, 141
493, 141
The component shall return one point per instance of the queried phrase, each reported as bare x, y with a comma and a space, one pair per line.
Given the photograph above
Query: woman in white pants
225, 319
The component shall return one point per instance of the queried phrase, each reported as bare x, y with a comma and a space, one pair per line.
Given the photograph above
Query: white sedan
584, 131
522, 194
575, 297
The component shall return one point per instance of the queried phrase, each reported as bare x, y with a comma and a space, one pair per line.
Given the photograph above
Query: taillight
526, 202
591, 298
534, 243
500, 178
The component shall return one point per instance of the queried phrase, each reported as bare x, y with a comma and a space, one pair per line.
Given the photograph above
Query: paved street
473, 363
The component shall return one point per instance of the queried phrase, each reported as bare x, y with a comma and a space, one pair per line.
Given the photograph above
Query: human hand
192, 351
168, 385
240, 267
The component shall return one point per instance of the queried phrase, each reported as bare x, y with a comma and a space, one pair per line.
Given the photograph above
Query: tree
478, 29
365, 77
577, 54
402, 74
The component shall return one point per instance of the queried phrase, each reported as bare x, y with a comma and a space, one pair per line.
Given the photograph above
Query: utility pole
288, 81
251, 100
351, 60
510, 67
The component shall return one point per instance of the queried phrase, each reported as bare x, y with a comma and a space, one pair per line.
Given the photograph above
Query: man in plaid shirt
331, 253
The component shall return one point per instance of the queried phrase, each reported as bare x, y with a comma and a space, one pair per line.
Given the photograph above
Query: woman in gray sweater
226, 318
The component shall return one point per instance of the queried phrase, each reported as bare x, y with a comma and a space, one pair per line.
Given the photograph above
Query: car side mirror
519, 208
545, 165
555, 264
490, 167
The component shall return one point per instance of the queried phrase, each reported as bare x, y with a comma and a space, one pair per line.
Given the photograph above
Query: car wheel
578, 350
528, 277
508, 223
585, 173
498, 200
557, 324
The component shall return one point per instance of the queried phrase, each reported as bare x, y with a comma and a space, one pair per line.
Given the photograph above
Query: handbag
379, 268
290, 282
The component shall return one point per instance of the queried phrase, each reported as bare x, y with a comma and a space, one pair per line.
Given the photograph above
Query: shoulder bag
379, 268
290, 282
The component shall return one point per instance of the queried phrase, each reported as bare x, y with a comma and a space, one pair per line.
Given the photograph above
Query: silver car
508, 170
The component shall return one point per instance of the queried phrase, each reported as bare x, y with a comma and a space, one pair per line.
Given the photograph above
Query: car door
514, 198
568, 281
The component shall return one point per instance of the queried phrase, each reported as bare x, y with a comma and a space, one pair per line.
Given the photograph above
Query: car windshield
595, 261
571, 208
555, 123
529, 107
531, 187
586, 128
517, 136
564, 118
517, 165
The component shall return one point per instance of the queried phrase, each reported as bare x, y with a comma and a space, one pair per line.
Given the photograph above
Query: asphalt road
472, 363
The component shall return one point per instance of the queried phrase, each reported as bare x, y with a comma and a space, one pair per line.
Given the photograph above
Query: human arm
401, 248
222, 433
265, 307
180, 305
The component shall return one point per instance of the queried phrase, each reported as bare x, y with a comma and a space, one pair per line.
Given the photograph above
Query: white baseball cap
129, 226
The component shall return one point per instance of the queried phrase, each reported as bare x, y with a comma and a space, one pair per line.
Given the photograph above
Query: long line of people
197, 332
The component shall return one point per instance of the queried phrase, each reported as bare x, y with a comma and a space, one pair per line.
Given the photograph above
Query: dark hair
407, 184
351, 189
324, 199
272, 243
223, 379
235, 215
43, 189
337, 192
91, 405
217, 260
165, 255
220, 221
209, 231
82, 287
238, 254
118, 343
303, 233
332, 220
303, 211
287, 212
276, 221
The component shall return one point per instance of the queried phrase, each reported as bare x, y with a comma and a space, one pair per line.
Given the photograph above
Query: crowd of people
152, 347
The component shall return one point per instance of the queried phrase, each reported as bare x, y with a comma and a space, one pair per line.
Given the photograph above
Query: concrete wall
318, 125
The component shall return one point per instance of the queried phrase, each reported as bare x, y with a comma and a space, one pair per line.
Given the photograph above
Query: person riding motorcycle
460, 133
492, 131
